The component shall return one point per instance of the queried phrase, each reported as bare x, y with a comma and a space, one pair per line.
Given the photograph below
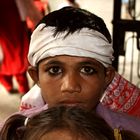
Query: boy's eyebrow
89, 62
54, 62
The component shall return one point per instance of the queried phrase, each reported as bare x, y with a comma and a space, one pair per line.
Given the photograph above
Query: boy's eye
88, 70
55, 70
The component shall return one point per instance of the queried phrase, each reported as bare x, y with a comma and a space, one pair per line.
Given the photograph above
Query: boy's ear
110, 73
33, 72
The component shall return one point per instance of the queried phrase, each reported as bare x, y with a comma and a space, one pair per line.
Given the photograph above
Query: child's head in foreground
71, 56
61, 123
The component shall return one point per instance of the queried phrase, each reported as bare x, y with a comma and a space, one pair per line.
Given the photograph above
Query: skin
68, 80
61, 135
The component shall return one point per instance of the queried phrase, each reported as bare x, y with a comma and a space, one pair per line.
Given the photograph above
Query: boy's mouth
70, 103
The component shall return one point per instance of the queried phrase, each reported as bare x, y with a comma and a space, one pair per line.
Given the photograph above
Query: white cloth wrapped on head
83, 43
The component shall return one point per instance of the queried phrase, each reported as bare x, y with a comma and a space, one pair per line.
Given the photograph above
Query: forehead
64, 59
62, 135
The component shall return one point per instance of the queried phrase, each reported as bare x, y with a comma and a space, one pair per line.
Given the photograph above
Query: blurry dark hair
72, 19
76, 120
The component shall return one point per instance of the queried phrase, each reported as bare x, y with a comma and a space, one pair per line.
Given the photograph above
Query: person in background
61, 122
43, 7
14, 42
72, 3
1, 56
125, 7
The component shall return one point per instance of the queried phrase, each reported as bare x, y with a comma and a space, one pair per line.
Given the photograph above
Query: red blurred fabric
41, 7
122, 96
14, 40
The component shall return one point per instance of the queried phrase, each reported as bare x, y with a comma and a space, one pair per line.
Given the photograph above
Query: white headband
83, 43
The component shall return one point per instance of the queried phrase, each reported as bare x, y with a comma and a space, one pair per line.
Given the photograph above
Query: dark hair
78, 121
71, 19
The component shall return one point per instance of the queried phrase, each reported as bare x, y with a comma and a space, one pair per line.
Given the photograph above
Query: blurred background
123, 15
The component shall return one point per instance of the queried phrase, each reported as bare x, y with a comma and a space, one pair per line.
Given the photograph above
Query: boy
71, 55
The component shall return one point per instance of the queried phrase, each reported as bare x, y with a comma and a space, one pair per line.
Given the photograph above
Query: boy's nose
71, 84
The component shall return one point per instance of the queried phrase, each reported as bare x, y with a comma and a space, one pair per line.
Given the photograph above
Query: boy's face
67, 80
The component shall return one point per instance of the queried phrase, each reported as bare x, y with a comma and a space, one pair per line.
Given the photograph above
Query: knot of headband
83, 43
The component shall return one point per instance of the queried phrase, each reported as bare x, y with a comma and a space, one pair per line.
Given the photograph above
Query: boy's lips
70, 103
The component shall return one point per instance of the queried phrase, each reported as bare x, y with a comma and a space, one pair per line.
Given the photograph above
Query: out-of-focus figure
14, 42
1, 55
72, 3
125, 6
43, 7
